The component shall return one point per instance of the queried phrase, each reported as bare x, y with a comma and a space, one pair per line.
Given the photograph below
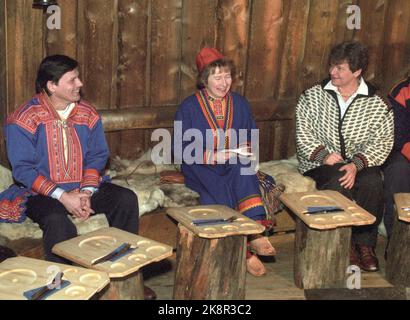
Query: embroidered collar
203, 100
212, 99
46, 102
210, 117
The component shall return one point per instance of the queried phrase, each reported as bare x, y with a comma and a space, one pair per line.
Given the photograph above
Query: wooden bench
211, 258
322, 240
19, 276
398, 253
25, 238
126, 280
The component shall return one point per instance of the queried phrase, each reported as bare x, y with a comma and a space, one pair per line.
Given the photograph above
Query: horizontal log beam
163, 116
137, 118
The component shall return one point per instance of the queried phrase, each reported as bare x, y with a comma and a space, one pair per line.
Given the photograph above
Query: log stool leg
321, 257
128, 288
398, 254
209, 269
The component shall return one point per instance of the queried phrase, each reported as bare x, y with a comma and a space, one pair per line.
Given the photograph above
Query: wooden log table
322, 239
398, 252
20, 275
211, 258
123, 269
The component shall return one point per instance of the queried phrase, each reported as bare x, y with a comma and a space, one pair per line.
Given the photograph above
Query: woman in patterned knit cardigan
344, 133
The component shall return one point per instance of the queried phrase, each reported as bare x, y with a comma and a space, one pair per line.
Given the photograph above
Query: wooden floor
277, 284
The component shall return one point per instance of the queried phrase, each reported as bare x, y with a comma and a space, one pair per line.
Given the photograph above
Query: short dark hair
354, 53
52, 68
202, 80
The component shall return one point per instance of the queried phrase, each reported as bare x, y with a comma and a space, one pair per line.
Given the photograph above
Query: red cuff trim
43, 186
91, 178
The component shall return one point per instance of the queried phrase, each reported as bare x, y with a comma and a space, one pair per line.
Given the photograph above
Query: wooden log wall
137, 57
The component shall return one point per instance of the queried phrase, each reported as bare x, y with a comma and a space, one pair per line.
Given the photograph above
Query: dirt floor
277, 284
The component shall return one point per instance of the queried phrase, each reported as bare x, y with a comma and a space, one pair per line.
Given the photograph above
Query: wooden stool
322, 243
398, 252
21, 274
126, 280
211, 258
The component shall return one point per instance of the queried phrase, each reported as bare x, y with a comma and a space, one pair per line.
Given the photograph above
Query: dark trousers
367, 192
120, 205
396, 179
6, 253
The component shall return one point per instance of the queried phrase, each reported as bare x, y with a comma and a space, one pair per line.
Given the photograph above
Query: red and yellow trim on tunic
62, 171
229, 118
43, 186
209, 157
91, 178
250, 202
12, 210
84, 114
213, 123
30, 117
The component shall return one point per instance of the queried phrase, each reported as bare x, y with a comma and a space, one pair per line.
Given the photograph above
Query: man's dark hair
202, 80
52, 68
354, 53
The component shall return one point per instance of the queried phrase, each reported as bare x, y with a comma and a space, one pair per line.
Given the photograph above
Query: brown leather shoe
149, 294
368, 259
354, 256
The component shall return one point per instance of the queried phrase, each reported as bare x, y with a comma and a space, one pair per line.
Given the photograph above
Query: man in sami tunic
57, 150
219, 176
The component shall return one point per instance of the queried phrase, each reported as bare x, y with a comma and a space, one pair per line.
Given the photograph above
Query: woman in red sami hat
223, 120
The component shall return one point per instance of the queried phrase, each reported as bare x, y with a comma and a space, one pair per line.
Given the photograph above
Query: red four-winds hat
207, 56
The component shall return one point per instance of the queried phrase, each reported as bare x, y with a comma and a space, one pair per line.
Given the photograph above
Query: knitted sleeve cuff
360, 161
319, 154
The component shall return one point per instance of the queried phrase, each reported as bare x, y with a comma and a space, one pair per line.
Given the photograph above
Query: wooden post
209, 269
321, 257
398, 254
128, 288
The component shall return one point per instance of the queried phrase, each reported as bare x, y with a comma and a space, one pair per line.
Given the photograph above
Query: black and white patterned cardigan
363, 136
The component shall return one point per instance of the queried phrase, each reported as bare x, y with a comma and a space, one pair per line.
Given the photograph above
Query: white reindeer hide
286, 172
5, 178
142, 177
